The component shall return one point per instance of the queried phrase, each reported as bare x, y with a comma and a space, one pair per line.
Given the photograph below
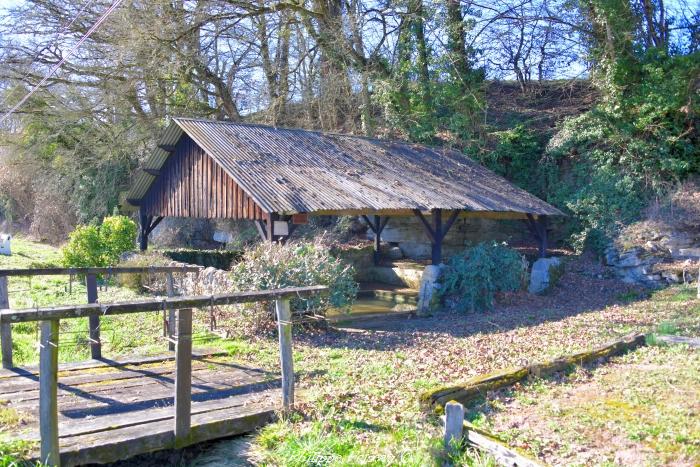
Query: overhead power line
65, 57
55, 42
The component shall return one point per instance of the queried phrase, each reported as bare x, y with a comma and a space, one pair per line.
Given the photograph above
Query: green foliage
219, 259
100, 246
139, 282
17, 453
476, 274
518, 157
272, 266
633, 146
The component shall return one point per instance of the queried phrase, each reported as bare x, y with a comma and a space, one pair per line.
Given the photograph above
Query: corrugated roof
291, 170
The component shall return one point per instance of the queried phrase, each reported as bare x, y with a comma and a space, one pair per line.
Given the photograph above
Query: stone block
545, 273
394, 253
629, 259
428, 300
399, 275
5, 245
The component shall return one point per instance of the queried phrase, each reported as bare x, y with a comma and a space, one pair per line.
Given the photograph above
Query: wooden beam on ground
48, 390
5, 328
284, 327
504, 454
183, 376
93, 321
138, 306
693, 342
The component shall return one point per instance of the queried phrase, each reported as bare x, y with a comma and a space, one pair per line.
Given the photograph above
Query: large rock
5, 244
545, 273
428, 300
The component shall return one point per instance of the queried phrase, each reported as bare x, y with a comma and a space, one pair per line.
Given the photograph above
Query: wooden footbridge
102, 410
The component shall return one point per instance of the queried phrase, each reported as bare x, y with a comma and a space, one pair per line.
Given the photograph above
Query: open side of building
278, 177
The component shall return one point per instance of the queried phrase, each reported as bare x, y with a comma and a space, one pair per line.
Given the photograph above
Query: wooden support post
48, 391
170, 289
436, 230
377, 241
270, 227
5, 328
144, 224
538, 227
284, 326
542, 227
94, 321
436, 256
183, 376
454, 423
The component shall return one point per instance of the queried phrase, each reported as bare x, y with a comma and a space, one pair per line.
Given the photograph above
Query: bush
154, 283
475, 275
272, 266
632, 147
219, 259
100, 246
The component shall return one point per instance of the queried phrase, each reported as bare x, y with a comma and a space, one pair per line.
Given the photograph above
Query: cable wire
70, 52
55, 43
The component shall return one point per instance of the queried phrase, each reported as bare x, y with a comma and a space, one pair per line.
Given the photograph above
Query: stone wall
409, 234
655, 254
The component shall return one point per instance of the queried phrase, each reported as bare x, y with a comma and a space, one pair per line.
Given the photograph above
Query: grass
640, 409
358, 391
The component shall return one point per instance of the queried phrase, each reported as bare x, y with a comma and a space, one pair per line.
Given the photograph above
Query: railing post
48, 388
284, 326
5, 328
94, 321
454, 423
170, 289
183, 376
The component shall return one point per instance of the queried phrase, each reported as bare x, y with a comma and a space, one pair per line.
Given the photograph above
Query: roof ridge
318, 132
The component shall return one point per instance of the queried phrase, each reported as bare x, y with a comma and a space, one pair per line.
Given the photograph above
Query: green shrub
99, 246
475, 275
630, 148
154, 283
219, 259
272, 266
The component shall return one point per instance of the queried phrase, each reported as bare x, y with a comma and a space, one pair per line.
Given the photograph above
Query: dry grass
640, 409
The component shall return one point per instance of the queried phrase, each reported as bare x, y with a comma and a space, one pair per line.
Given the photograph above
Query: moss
475, 388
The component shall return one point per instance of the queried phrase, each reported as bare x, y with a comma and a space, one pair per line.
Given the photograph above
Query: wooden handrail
138, 306
107, 270
48, 359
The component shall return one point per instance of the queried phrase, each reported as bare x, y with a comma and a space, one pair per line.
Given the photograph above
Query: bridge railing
90, 275
49, 318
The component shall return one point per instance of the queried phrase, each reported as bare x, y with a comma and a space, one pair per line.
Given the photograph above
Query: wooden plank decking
114, 410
